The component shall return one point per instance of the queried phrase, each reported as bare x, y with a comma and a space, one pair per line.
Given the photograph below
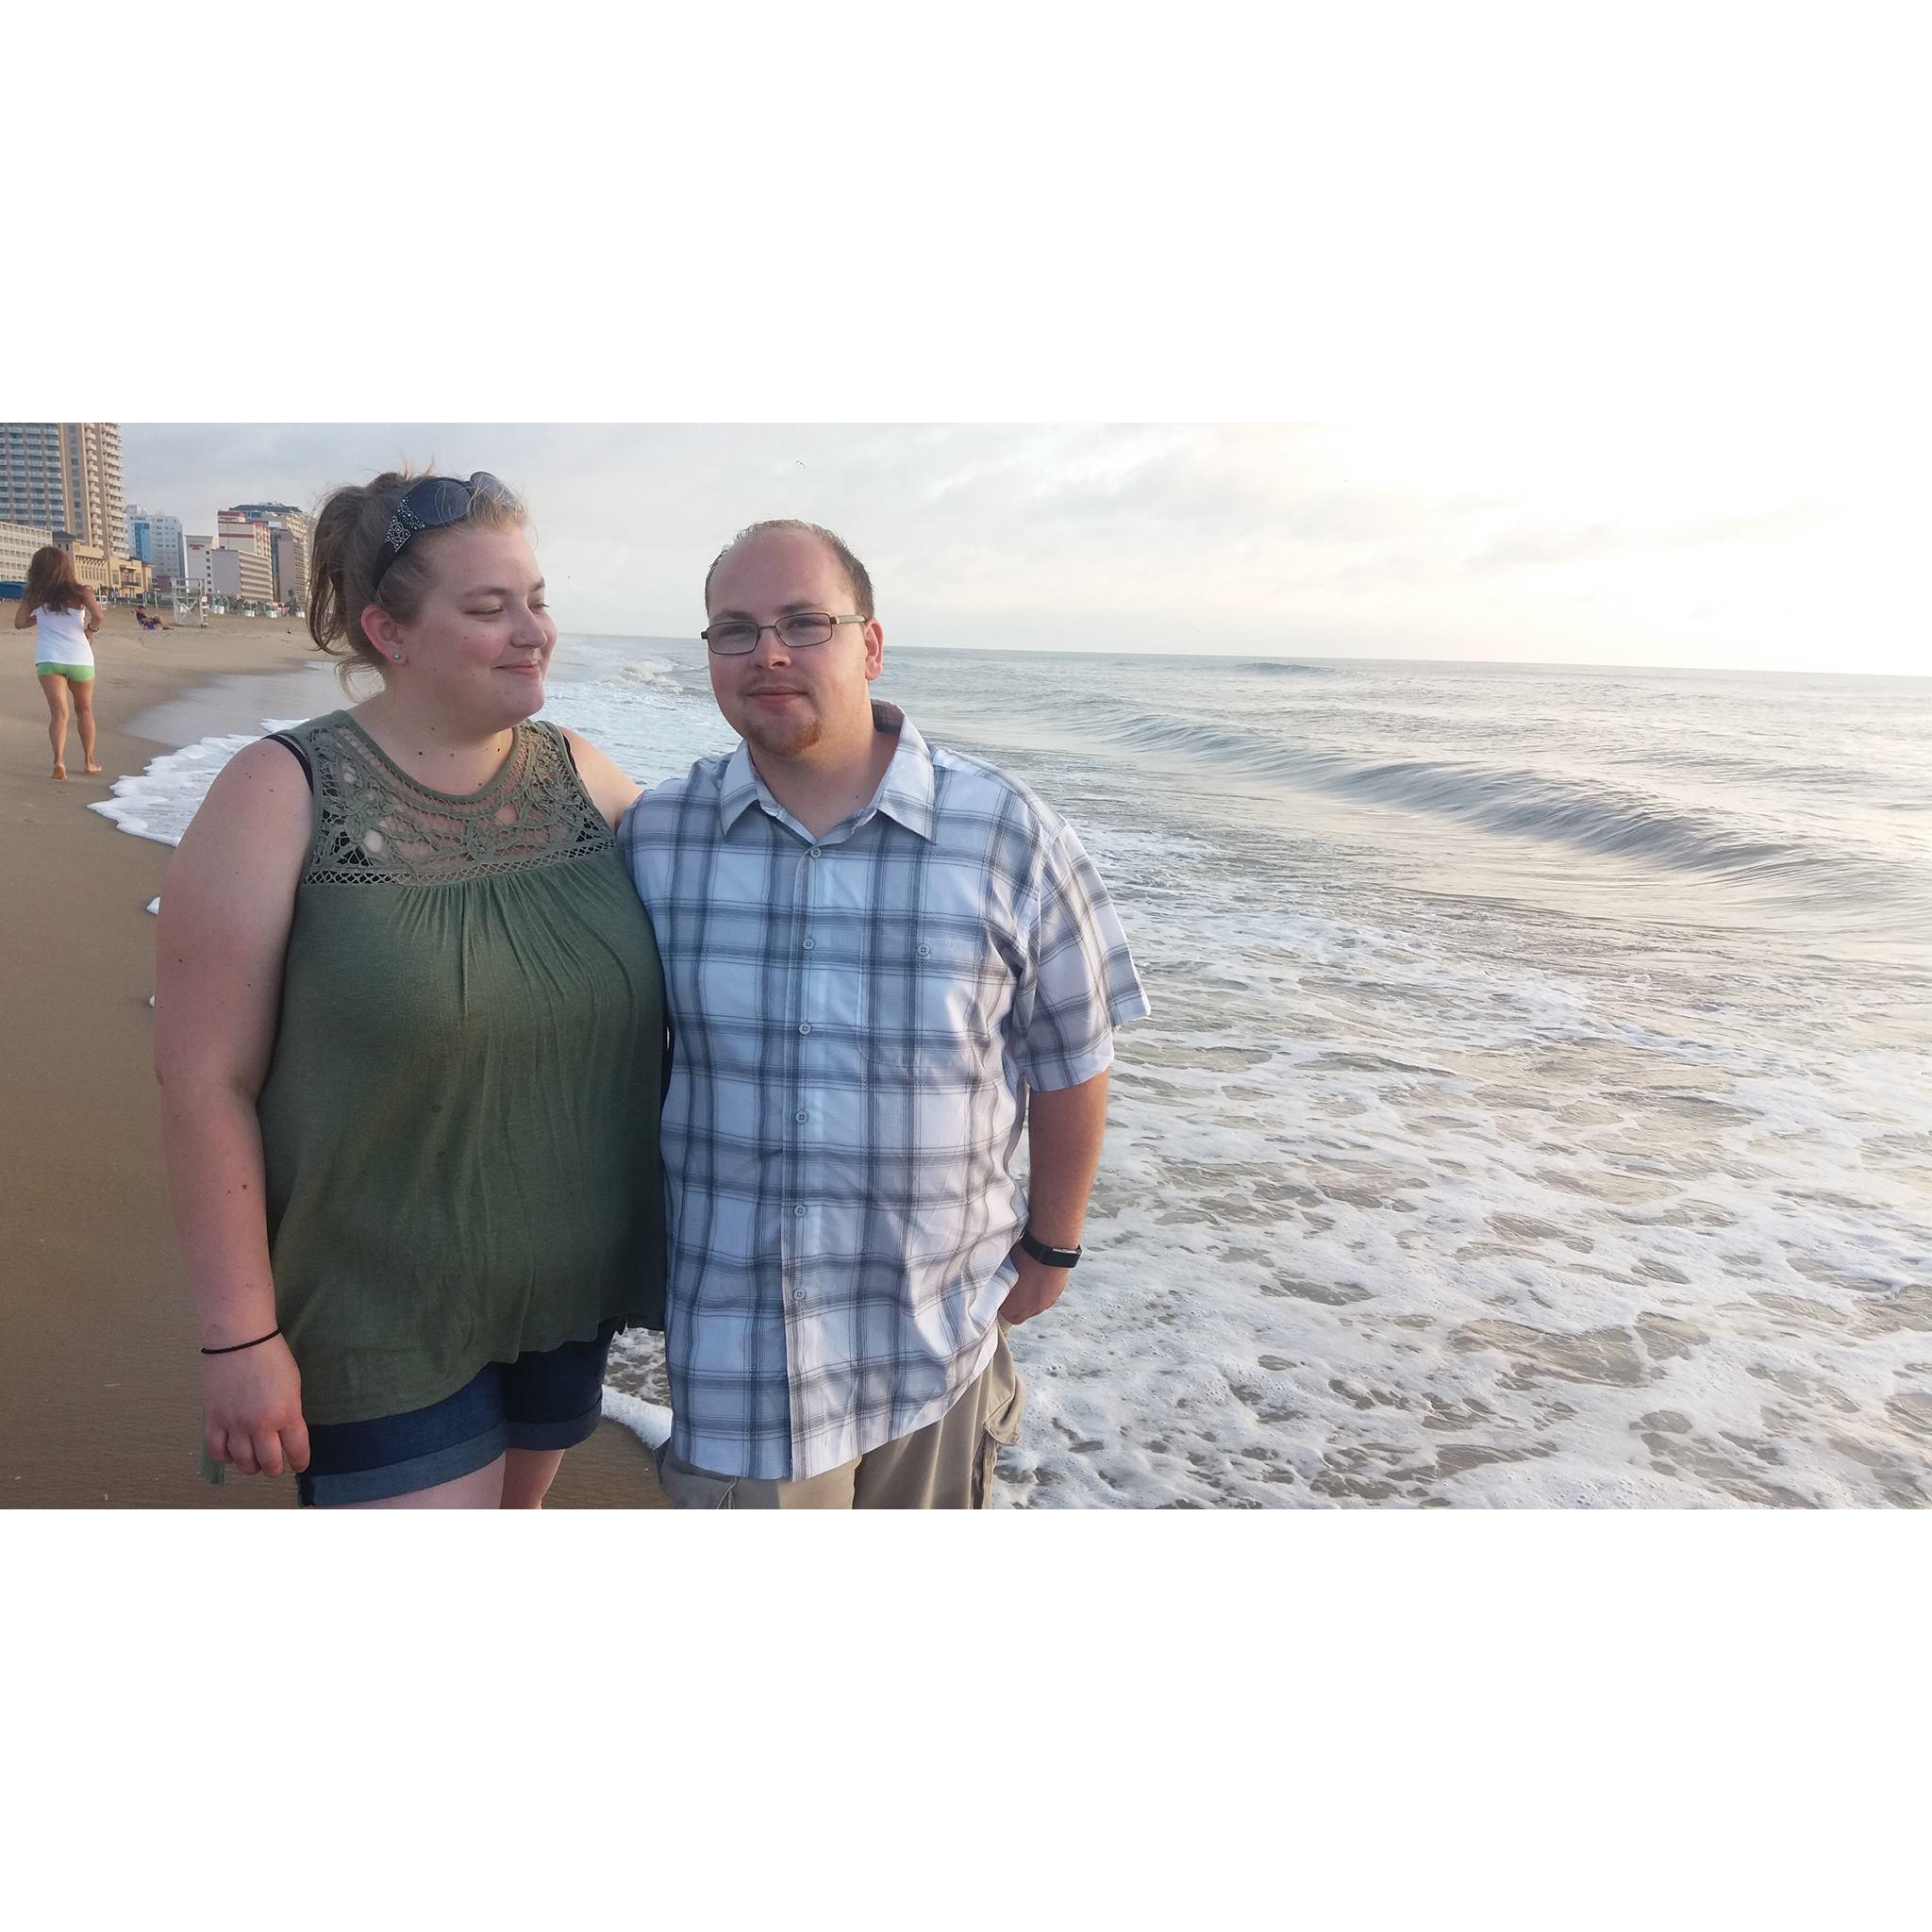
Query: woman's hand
228, 900
252, 1410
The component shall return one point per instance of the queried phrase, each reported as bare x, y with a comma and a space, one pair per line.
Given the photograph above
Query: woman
409, 1031
63, 609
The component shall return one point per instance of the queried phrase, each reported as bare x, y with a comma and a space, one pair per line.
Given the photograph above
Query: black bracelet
1043, 1252
236, 1348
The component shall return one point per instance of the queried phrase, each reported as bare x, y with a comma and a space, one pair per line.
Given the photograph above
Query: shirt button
798, 1212
814, 852
801, 1116
925, 951
808, 944
805, 1025
798, 1295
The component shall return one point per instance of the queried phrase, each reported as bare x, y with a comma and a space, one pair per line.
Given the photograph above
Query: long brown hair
348, 542
51, 584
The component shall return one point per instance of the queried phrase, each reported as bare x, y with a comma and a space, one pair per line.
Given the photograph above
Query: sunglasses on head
434, 503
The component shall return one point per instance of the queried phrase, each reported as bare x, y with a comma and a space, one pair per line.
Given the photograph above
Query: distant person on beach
883, 958
410, 1032
63, 611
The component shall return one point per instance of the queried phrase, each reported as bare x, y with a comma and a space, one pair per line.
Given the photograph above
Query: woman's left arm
611, 791
23, 616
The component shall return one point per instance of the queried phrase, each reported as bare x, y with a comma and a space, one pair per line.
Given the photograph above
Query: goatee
785, 739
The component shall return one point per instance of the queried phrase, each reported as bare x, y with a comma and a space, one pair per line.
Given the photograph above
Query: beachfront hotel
256, 555
290, 531
64, 479
33, 486
104, 574
212, 571
67, 477
62, 482
156, 539
254, 547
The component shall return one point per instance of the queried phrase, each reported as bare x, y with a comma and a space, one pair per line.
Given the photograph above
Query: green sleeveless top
460, 1122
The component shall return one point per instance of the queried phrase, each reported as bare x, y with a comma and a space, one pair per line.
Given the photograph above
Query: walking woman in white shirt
63, 611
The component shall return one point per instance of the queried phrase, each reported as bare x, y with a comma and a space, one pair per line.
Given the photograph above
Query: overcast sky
1642, 545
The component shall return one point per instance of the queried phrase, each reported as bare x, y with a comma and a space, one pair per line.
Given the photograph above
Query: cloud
1415, 541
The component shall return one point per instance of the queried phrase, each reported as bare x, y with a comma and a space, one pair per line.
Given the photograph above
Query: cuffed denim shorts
548, 1400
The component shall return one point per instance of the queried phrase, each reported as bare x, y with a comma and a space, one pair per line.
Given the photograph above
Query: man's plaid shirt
857, 1019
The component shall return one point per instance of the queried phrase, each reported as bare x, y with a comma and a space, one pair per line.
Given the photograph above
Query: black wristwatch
1050, 1257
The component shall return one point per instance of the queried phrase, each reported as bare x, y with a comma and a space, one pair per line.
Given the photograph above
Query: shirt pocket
936, 997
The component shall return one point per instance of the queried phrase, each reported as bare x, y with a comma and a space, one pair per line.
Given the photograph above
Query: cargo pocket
1004, 1404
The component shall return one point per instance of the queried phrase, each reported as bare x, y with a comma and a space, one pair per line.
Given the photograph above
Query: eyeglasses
434, 503
799, 632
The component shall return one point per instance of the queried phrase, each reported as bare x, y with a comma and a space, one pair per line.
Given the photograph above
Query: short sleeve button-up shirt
858, 1018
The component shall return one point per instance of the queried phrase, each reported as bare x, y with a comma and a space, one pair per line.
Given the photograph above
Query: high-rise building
254, 543
66, 475
93, 483
289, 561
292, 570
33, 484
212, 571
156, 539
284, 514
168, 559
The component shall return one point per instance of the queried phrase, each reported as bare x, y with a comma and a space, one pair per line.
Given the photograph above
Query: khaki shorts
946, 1465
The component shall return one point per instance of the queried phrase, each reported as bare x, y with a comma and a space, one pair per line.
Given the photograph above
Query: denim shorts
548, 1400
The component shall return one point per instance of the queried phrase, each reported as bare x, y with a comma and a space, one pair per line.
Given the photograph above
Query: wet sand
99, 1373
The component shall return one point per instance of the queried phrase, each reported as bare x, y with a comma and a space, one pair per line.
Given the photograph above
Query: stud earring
397, 656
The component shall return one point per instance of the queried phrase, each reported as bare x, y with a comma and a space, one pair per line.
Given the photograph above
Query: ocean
1537, 1105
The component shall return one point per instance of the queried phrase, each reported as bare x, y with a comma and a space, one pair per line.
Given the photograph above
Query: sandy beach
99, 1375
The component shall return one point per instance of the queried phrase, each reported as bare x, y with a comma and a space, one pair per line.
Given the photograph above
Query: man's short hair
860, 577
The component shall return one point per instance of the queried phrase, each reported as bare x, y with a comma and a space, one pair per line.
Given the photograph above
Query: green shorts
73, 674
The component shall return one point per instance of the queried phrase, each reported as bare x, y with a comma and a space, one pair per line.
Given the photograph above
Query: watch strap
1047, 1257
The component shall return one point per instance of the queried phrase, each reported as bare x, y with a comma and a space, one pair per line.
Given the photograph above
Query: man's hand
1034, 1290
1064, 1130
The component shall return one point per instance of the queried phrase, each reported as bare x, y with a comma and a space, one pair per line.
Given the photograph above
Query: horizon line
1307, 658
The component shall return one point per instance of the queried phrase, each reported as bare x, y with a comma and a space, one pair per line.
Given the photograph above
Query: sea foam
1437, 1178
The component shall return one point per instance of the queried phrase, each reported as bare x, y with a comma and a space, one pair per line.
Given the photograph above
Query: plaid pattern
857, 1019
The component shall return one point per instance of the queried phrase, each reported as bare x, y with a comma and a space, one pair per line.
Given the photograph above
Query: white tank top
62, 637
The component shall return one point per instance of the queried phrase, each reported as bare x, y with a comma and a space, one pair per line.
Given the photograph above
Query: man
881, 959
